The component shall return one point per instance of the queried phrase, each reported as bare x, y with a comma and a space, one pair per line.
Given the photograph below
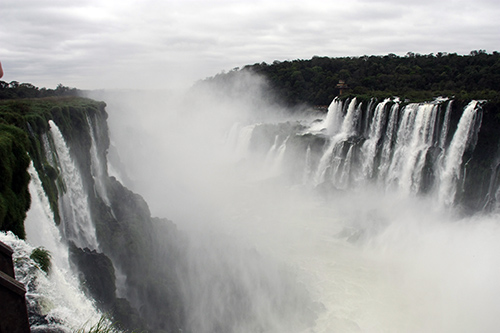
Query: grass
104, 325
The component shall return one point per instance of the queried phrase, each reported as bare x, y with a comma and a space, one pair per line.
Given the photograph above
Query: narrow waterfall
308, 167
98, 170
388, 143
55, 300
333, 156
276, 162
452, 165
369, 148
272, 152
41, 229
334, 117
242, 143
77, 224
446, 124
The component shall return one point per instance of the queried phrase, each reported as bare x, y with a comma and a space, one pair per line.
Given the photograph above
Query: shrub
42, 257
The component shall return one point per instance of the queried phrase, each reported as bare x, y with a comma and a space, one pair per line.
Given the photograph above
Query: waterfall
397, 148
421, 141
55, 297
274, 158
41, 229
446, 124
349, 125
388, 143
369, 148
98, 170
77, 224
414, 138
271, 153
243, 141
452, 165
308, 166
333, 120
344, 177
55, 302
333, 157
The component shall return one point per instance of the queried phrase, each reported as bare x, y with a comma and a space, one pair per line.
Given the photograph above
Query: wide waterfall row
415, 148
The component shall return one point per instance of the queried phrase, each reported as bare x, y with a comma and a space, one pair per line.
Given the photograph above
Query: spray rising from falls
385, 249
350, 203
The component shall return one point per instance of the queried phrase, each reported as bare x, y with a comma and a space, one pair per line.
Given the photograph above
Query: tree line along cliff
414, 76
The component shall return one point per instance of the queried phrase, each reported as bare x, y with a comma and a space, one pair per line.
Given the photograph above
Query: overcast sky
93, 44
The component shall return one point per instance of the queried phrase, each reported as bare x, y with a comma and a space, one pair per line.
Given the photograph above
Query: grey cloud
97, 44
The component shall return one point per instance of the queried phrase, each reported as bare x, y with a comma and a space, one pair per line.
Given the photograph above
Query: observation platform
14, 314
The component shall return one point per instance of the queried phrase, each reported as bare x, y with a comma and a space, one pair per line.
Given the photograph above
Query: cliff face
126, 233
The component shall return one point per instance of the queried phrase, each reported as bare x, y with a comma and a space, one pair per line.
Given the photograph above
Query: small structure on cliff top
341, 86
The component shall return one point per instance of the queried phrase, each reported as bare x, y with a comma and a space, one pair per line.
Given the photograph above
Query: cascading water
55, 301
97, 168
369, 148
416, 138
77, 224
401, 144
388, 143
451, 172
332, 158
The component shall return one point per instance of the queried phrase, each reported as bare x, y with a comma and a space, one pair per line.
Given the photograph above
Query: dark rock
96, 274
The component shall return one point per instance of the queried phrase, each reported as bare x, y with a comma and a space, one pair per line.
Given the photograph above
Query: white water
41, 229
333, 120
369, 148
387, 148
451, 173
340, 129
57, 294
97, 167
77, 224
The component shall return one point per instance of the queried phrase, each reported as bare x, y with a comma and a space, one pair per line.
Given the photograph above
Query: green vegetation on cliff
42, 257
23, 122
14, 179
414, 76
15, 90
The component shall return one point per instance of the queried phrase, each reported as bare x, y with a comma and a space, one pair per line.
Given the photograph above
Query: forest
314, 82
16, 90
413, 76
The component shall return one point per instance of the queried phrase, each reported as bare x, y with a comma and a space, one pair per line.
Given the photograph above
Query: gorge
378, 215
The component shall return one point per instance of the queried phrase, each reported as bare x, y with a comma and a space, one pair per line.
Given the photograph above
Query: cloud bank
93, 44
